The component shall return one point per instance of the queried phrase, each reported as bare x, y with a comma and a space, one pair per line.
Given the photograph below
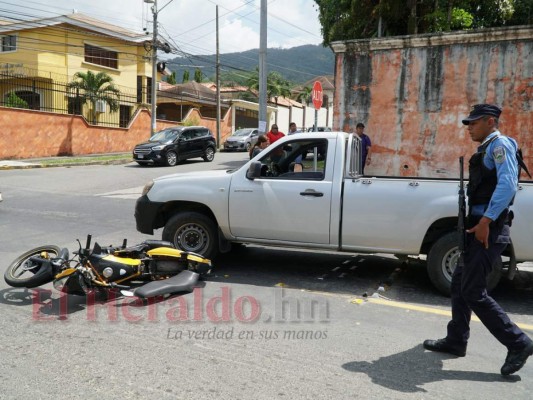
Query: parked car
242, 139
175, 144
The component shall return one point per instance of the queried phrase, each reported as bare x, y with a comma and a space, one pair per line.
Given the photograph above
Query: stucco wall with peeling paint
411, 93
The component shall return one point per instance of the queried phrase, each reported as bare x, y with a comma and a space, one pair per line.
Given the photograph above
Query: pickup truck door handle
311, 192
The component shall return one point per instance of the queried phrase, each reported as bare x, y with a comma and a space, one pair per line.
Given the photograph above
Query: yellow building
39, 58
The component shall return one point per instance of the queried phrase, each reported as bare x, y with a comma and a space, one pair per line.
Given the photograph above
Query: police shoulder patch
499, 154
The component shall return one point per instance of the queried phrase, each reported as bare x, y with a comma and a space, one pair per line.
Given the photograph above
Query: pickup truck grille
142, 151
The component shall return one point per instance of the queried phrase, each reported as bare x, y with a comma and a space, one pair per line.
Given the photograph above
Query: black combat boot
443, 346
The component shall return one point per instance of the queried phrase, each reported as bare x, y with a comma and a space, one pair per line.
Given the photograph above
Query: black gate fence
23, 87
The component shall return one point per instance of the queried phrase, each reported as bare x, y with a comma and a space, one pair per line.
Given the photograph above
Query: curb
66, 164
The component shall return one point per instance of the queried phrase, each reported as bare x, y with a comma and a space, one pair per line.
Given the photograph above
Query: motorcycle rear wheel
21, 274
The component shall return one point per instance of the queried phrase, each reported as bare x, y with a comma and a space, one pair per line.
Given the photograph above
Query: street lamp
154, 62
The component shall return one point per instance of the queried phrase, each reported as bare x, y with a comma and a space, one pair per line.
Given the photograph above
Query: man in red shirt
274, 134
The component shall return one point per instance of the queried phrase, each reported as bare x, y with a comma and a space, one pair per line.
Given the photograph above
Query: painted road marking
131, 193
431, 310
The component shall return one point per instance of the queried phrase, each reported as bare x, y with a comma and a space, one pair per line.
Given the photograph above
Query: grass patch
86, 159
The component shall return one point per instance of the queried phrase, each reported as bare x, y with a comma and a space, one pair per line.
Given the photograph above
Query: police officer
492, 185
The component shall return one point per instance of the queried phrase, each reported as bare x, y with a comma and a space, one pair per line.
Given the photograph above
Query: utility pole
262, 69
154, 65
218, 85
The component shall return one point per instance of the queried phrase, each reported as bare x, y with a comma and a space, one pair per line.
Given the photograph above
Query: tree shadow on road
409, 370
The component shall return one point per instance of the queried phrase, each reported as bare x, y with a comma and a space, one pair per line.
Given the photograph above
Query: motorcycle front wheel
22, 272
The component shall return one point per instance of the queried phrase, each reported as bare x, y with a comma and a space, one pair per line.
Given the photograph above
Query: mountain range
297, 64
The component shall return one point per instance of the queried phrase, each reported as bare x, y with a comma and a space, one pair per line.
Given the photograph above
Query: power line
83, 33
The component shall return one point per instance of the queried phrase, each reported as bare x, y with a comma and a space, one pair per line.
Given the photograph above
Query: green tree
356, 19
304, 95
171, 79
523, 14
276, 85
14, 101
185, 77
94, 87
198, 75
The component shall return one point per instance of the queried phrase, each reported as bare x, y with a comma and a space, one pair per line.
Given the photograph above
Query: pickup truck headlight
161, 147
147, 187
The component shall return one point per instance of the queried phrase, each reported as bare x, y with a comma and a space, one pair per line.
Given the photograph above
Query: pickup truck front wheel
441, 262
193, 232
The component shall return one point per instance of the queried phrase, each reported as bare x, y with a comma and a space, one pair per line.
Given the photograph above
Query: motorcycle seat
185, 281
152, 244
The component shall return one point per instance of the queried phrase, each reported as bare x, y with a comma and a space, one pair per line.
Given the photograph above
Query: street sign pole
317, 97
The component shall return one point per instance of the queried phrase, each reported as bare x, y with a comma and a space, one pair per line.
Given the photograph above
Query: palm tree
276, 85
304, 95
93, 87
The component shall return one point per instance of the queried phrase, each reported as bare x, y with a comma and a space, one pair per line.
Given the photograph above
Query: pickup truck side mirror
254, 171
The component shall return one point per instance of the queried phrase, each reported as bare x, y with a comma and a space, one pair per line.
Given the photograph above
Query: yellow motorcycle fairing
65, 272
123, 260
170, 252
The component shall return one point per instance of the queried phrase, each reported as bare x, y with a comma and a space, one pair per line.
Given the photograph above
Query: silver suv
242, 139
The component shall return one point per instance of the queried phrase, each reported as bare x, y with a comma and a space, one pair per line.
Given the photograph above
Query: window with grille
139, 89
149, 90
8, 43
99, 56
75, 105
125, 115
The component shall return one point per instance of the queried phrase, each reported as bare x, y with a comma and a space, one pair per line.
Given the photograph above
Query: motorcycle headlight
157, 148
147, 188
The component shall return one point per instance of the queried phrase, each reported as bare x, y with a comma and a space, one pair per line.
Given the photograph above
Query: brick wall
33, 134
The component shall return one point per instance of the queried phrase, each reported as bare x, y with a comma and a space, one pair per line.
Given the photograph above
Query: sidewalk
92, 159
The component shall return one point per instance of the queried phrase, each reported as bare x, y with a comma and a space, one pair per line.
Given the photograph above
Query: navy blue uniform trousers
469, 293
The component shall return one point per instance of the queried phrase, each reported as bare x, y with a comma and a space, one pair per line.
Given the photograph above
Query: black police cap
482, 110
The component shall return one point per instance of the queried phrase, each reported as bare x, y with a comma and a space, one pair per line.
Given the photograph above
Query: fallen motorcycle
167, 269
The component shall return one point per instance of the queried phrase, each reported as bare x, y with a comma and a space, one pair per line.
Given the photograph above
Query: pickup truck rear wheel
441, 262
193, 232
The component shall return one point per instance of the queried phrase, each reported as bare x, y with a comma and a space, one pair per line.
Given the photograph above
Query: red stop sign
316, 95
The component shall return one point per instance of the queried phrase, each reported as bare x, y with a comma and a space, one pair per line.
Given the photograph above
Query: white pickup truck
326, 205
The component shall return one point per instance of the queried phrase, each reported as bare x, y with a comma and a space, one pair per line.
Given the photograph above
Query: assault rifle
462, 210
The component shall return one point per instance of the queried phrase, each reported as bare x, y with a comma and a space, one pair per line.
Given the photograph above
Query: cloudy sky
190, 24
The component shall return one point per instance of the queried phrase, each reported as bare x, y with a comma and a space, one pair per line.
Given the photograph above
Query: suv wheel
248, 146
171, 158
209, 154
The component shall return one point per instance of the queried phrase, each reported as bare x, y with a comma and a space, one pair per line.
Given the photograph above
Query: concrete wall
411, 92
304, 117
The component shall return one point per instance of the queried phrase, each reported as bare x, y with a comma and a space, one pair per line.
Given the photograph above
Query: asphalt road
270, 323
